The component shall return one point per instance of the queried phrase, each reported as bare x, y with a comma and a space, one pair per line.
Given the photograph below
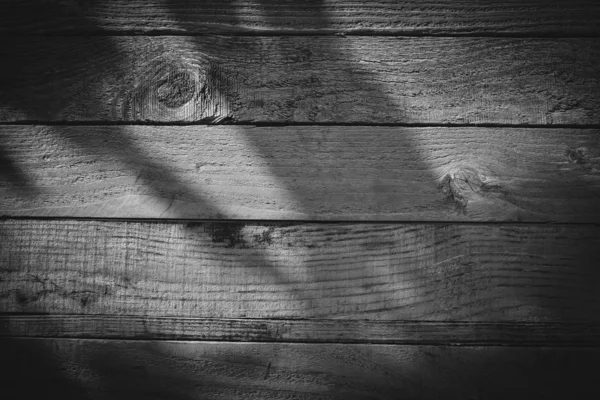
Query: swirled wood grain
380, 80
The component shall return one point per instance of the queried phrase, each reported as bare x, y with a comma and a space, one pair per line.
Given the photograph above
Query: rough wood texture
339, 291
340, 271
306, 330
511, 17
301, 79
97, 369
320, 173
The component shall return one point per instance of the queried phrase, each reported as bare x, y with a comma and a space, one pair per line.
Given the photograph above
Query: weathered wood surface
451, 333
440, 17
377, 80
302, 173
99, 369
468, 272
342, 288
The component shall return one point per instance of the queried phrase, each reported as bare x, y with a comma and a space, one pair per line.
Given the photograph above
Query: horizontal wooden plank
538, 17
301, 79
471, 272
301, 173
98, 369
301, 330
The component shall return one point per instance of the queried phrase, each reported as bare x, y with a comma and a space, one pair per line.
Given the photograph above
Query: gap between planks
283, 125
287, 222
439, 333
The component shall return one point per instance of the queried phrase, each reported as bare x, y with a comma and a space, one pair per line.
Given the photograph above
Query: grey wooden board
100, 369
380, 80
532, 17
301, 330
302, 173
470, 272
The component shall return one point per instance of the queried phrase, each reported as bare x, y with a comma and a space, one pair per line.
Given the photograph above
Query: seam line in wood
269, 330
175, 221
316, 33
432, 344
251, 124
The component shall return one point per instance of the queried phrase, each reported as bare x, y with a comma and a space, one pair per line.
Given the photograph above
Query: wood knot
467, 185
169, 90
452, 193
175, 89
577, 156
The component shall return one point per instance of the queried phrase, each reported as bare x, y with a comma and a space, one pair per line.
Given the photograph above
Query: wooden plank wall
268, 199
